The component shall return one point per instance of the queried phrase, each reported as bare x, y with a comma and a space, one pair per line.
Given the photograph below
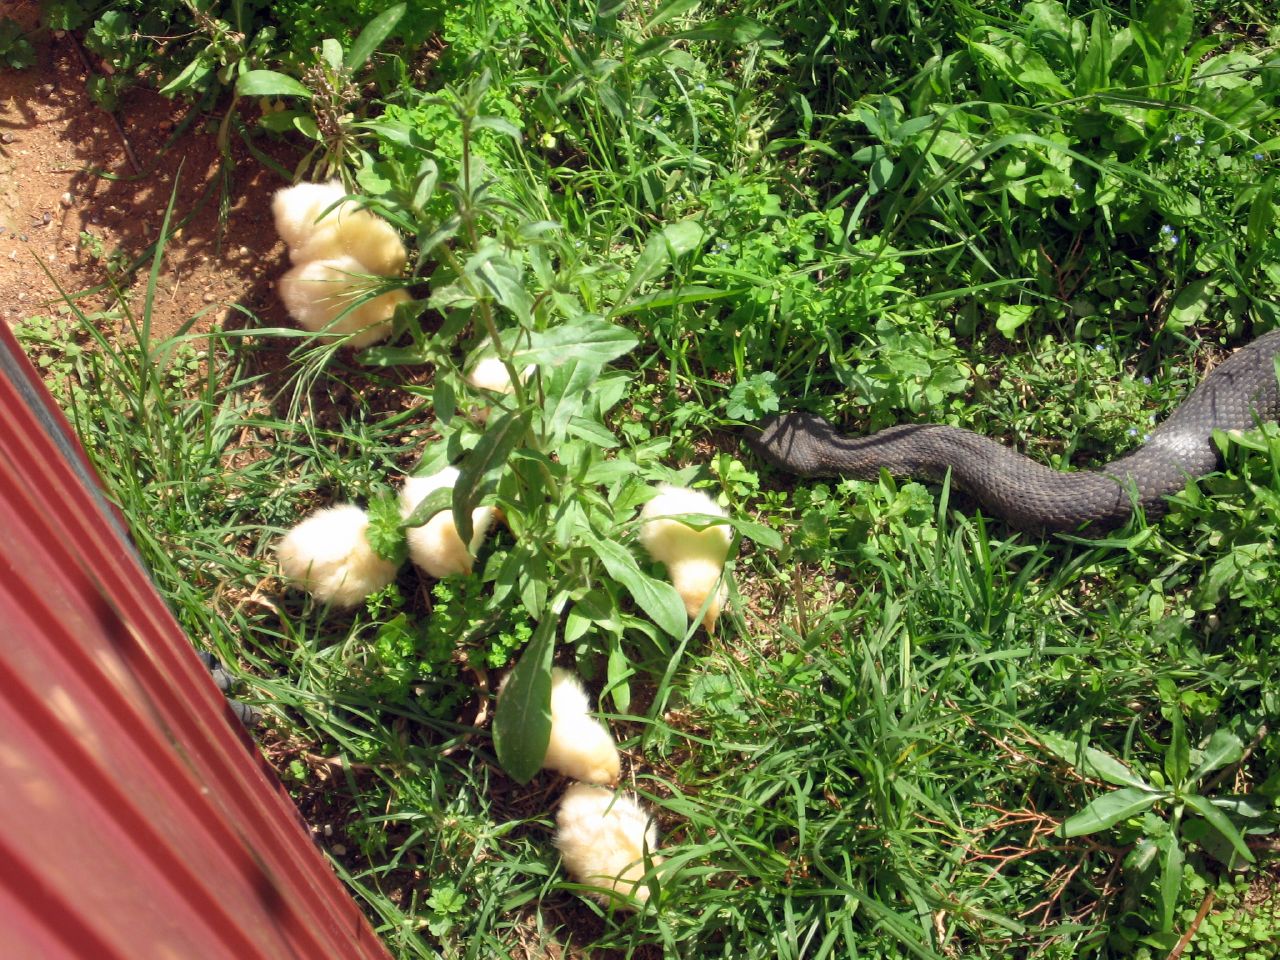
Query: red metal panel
136, 819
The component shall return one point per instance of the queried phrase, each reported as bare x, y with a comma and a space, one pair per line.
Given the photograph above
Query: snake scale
1238, 394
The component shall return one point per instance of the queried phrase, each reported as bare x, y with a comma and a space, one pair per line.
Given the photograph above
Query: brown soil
77, 185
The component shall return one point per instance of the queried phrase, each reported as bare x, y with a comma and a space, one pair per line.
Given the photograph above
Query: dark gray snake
1239, 394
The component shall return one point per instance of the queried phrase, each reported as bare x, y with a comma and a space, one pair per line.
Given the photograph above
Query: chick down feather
297, 208
602, 838
435, 547
694, 558
329, 555
347, 230
580, 746
490, 373
324, 296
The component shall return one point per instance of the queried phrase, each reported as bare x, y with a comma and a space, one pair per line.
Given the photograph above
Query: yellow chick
296, 209
602, 837
490, 373
580, 745
435, 547
320, 295
694, 558
329, 555
345, 231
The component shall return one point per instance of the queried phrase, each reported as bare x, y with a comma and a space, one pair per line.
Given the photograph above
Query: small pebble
339, 850
209, 298
66, 199
6, 137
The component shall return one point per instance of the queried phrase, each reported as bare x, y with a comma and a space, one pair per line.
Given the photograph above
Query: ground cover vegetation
913, 732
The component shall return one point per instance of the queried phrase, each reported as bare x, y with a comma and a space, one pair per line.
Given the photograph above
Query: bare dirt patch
76, 186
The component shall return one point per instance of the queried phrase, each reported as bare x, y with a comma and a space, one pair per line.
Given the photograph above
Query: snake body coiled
1239, 394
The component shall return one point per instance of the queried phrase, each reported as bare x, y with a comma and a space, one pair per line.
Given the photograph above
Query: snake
1239, 394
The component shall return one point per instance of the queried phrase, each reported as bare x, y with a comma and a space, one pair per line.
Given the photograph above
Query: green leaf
188, 77
593, 432
1034, 72
305, 125
565, 390
738, 31
384, 532
1190, 304
590, 340
1166, 28
1223, 748
1092, 74
664, 248
371, 37
500, 125
428, 174
1177, 756
503, 279
761, 534
655, 597
433, 503
522, 720
1171, 861
268, 83
1090, 760
491, 452
1261, 218
669, 11
1108, 810
1010, 316
618, 671
331, 52
1221, 823
673, 297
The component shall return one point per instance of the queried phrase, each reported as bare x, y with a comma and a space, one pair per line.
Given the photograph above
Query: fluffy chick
435, 547
694, 558
347, 230
317, 293
297, 208
490, 373
580, 745
329, 555
602, 838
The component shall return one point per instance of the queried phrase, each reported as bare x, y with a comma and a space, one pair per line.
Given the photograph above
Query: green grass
864, 209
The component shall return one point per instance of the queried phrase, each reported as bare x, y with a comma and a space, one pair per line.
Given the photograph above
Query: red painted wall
137, 819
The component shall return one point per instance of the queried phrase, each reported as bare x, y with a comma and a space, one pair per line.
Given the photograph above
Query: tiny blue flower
1078, 188
1166, 229
1177, 138
699, 87
1133, 431
1099, 347
657, 118
1199, 141
1257, 156
1146, 437
1146, 380
1174, 240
